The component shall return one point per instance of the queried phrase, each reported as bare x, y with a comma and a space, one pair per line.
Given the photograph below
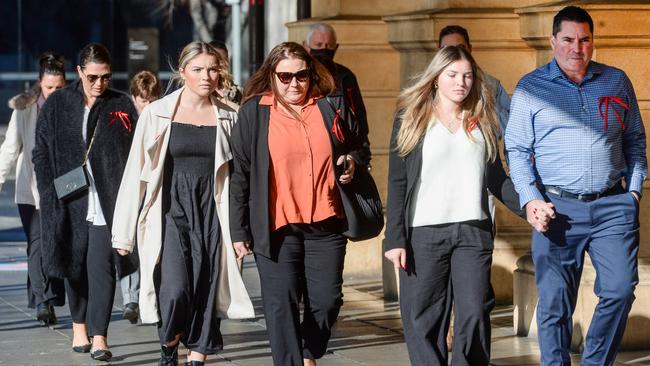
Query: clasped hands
539, 214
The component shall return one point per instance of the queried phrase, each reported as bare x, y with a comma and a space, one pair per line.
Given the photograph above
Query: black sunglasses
93, 78
301, 76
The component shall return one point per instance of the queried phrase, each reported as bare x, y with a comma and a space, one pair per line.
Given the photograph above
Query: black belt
585, 197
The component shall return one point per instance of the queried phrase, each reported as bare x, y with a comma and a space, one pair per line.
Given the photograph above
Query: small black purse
75, 181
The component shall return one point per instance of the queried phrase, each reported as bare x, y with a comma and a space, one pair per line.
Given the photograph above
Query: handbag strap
92, 139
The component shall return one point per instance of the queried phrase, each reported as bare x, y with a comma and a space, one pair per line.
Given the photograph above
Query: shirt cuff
636, 184
528, 194
121, 244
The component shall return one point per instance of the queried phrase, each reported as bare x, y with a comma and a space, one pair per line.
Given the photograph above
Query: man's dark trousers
608, 229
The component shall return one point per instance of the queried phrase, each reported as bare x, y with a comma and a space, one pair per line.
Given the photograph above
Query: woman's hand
242, 249
123, 252
348, 174
397, 256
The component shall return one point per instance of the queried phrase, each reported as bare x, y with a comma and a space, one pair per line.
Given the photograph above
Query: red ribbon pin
336, 128
605, 115
123, 117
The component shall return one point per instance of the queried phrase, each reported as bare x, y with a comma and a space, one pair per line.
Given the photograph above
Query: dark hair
95, 53
219, 45
453, 29
51, 63
145, 84
321, 82
572, 14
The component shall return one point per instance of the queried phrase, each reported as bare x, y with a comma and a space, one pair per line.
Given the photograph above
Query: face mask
323, 53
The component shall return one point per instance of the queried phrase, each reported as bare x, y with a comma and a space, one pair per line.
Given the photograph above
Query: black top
191, 148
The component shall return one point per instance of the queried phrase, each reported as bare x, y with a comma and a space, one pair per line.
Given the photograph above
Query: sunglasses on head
286, 77
93, 78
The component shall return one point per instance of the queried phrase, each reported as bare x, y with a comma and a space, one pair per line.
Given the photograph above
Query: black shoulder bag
75, 181
361, 201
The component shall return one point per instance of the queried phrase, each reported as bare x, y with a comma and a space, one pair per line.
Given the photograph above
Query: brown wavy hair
145, 84
262, 82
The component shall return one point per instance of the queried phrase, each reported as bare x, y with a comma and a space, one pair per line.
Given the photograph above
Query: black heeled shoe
168, 356
101, 355
45, 314
194, 363
131, 312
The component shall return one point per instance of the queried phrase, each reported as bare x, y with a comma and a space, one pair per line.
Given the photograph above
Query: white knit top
450, 187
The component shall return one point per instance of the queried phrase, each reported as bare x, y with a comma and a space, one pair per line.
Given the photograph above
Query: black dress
191, 242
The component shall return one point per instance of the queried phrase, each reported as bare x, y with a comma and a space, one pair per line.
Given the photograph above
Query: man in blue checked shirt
575, 139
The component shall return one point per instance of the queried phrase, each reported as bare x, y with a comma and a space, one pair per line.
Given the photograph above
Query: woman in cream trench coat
143, 176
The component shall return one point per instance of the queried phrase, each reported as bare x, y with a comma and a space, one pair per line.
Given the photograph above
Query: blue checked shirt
557, 136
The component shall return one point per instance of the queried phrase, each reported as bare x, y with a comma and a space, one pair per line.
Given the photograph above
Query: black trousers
445, 263
307, 265
40, 287
91, 296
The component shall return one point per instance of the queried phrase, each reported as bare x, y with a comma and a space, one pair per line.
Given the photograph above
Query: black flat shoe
168, 356
131, 312
194, 363
82, 349
101, 355
45, 314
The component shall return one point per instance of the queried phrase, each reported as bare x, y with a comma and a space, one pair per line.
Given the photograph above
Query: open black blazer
403, 173
249, 181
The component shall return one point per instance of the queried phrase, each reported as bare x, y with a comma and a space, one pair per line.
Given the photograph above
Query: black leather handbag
362, 205
361, 201
75, 181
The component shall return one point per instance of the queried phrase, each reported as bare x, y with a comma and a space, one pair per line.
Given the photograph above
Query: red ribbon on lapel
124, 118
336, 128
605, 115
472, 125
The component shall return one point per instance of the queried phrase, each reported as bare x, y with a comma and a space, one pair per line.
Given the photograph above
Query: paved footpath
368, 331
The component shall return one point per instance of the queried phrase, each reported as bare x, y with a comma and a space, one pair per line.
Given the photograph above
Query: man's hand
242, 249
398, 257
539, 213
636, 196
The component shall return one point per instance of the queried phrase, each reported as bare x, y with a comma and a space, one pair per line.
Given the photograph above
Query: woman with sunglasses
87, 124
43, 292
180, 164
284, 200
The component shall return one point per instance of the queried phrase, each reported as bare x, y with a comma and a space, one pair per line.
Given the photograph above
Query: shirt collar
593, 69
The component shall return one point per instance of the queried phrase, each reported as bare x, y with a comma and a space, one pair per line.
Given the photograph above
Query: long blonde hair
417, 104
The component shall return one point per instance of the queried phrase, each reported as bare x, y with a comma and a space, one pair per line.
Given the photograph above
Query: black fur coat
60, 148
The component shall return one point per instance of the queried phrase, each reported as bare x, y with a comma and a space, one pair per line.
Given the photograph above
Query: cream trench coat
143, 175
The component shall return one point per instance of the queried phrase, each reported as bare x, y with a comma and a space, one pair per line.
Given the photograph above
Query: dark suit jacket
403, 173
249, 181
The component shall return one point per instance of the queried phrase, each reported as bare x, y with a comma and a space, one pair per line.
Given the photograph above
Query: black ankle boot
194, 363
168, 356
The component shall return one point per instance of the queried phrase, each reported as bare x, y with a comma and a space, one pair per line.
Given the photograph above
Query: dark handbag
71, 183
75, 181
362, 205
361, 201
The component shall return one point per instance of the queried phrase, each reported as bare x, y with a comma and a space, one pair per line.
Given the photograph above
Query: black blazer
249, 181
403, 173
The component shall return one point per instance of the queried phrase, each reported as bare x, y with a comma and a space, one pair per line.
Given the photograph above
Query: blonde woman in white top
43, 292
444, 158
